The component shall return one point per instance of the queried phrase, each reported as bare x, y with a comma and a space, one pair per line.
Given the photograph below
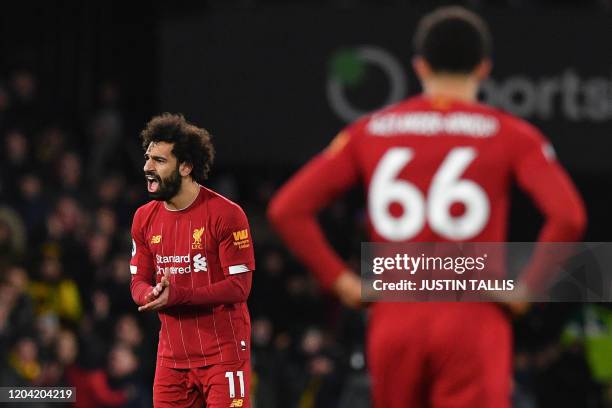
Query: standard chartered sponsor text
180, 264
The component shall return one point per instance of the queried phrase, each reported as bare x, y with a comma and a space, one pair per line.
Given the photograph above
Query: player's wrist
348, 288
176, 295
147, 296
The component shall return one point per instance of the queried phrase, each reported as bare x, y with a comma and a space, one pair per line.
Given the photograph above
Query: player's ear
185, 169
483, 69
421, 67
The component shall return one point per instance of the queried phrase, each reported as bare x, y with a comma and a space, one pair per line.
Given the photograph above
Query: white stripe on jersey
209, 283
179, 315
197, 314
229, 316
235, 269
166, 317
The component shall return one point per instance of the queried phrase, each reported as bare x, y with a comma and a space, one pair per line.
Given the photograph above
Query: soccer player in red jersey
192, 259
436, 167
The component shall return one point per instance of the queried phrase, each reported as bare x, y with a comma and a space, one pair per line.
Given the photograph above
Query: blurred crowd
68, 190
66, 315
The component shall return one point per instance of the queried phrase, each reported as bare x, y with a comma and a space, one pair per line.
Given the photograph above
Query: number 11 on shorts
230, 380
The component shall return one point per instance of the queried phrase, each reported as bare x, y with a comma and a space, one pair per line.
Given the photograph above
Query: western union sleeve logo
240, 235
241, 238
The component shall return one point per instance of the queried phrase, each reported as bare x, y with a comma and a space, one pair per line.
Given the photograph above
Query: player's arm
235, 247
141, 265
293, 212
232, 289
542, 177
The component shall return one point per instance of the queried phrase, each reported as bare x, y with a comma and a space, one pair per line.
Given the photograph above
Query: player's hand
516, 302
348, 289
156, 291
516, 309
162, 297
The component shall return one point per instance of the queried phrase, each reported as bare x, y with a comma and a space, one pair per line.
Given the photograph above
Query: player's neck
186, 196
454, 87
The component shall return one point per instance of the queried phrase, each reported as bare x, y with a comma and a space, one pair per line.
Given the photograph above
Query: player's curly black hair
191, 144
452, 39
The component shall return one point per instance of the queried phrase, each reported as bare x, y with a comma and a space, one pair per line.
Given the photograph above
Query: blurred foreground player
437, 167
192, 259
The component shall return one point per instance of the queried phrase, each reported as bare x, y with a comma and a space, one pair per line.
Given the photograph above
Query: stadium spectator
22, 366
69, 177
16, 308
94, 390
106, 132
54, 293
31, 203
12, 235
124, 374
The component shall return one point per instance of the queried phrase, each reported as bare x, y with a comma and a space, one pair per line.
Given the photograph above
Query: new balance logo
199, 263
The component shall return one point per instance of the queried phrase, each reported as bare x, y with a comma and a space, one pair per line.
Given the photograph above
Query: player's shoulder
510, 122
146, 210
220, 205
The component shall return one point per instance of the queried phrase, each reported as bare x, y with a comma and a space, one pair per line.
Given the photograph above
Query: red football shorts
451, 355
214, 386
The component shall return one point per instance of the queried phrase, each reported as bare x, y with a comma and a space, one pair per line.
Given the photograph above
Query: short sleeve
236, 253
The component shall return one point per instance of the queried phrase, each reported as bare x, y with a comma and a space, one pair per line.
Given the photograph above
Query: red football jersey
434, 170
207, 250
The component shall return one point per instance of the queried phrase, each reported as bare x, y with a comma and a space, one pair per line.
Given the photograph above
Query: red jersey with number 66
435, 170
198, 247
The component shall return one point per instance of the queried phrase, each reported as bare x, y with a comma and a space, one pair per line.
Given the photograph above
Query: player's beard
168, 187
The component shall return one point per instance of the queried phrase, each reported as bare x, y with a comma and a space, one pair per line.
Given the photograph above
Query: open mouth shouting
153, 182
